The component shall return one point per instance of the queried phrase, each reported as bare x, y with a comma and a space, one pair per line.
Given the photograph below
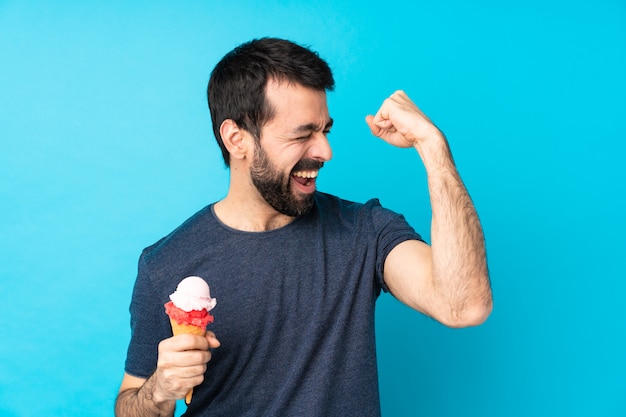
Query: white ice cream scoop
193, 293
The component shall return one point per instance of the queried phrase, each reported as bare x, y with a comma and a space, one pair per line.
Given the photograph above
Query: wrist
435, 153
154, 399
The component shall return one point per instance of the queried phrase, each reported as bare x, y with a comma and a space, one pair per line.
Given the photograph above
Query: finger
192, 357
191, 371
176, 361
385, 124
212, 340
191, 342
380, 117
183, 372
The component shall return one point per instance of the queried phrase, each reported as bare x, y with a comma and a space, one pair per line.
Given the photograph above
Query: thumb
212, 339
369, 119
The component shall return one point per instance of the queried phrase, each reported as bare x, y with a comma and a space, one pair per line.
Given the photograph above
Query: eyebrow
312, 127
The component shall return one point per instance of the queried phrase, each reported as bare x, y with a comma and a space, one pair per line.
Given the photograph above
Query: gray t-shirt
294, 314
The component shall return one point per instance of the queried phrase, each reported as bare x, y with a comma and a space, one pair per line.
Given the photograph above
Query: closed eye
326, 132
306, 131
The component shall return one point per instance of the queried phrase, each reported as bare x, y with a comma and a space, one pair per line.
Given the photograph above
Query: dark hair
236, 88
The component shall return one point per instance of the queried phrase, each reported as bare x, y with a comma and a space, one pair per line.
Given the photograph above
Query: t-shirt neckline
286, 227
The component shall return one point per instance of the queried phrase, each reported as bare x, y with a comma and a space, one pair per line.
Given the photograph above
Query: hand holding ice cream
189, 310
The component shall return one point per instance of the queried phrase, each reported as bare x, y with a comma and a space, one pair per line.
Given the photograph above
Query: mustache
308, 165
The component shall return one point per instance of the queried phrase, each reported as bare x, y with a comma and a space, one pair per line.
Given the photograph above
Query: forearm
459, 266
140, 402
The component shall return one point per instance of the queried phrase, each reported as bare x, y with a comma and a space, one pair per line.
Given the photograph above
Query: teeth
305, 174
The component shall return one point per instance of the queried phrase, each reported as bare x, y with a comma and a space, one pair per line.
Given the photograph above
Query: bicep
408, 275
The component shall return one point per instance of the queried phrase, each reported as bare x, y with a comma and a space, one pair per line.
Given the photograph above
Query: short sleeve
148, 323
391, 229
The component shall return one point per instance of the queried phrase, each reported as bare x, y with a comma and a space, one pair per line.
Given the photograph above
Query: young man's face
293, 147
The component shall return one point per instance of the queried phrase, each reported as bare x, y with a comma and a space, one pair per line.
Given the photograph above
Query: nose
320, 148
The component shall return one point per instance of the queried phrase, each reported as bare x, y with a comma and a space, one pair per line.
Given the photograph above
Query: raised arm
448, 280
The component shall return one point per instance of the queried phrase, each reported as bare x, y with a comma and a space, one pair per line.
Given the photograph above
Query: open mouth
305, 178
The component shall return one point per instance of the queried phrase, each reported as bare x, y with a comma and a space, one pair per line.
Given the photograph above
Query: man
296, 271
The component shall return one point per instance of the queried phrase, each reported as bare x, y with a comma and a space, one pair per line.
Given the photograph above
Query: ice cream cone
186, 329
189, 309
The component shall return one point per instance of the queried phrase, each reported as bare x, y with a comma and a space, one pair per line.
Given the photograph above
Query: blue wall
105, 146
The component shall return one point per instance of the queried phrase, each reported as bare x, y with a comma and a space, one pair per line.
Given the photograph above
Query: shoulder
181, 240
331, 203
338, 208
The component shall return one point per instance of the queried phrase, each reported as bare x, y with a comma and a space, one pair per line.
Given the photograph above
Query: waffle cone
187, 329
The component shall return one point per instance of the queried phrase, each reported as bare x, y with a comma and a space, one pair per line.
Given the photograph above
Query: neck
249, 216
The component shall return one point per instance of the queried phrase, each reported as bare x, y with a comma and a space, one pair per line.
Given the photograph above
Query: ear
234, 139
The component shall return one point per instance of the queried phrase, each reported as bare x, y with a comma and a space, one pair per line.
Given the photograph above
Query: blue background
106, 146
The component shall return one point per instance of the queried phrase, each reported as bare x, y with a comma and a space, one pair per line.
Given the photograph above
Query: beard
274, 187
